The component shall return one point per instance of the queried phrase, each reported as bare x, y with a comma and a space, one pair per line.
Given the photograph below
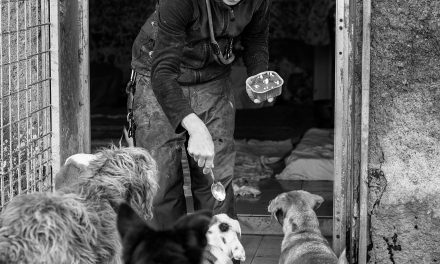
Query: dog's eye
223, 227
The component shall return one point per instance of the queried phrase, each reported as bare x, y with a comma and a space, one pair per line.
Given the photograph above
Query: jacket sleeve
255, 40
173, 18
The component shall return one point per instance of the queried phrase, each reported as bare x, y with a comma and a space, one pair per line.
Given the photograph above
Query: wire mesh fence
25, 110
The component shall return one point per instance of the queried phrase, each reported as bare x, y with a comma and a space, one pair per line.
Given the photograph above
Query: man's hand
253, 99
200, 144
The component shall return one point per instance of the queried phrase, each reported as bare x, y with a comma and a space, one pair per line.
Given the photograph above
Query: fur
182, 244
303, 242
77, 223
223, 240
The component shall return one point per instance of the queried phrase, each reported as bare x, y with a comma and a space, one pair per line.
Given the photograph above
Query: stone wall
404, 166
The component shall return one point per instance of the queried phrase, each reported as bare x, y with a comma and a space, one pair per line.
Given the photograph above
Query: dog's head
33, 230
224, 233
296, 207
122, 174
183, 244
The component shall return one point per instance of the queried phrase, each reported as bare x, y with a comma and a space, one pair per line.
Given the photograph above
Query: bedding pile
251, 163
312, 159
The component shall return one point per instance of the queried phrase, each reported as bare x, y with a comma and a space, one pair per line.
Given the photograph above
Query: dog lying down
303, 242
195, 238
77, 223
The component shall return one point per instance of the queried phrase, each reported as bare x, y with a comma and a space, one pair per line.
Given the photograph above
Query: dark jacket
173, 45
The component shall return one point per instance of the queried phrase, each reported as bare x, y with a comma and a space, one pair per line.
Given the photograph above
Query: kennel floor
252, 212
261, 249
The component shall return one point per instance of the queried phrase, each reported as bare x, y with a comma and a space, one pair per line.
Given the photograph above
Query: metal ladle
217, 188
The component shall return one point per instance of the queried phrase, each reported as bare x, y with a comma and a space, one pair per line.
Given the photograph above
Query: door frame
352, 81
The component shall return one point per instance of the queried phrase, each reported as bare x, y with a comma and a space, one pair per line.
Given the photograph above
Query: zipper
231, 12
207, 53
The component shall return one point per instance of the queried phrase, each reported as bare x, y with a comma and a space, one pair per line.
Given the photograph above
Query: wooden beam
363, 188
84, 74
55, 86
339, 199
74, 78
344, 124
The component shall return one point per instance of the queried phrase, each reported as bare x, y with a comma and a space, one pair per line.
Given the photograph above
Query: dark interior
301, 50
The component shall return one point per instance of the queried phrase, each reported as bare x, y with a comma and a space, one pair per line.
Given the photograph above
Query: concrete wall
404, 166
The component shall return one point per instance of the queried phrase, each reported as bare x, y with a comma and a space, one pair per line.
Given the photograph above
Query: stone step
267, 225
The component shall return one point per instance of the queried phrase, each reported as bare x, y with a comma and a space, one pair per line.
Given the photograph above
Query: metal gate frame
25, 102
44, 100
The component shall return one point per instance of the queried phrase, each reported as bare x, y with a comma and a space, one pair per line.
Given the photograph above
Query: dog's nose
239, 254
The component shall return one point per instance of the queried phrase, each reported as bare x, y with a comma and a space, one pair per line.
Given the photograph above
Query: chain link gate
25, 100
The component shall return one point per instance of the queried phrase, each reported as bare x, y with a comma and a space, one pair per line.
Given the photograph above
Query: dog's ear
313, 200
128, 220
277, 207
193, 221
280, 216
224, 218
194, 227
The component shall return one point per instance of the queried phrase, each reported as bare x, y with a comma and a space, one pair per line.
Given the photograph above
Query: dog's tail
343, 258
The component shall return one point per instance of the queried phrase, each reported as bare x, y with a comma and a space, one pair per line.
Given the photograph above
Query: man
183, 94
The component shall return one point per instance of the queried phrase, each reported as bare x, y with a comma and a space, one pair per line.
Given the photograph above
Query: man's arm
173, 18
255, 40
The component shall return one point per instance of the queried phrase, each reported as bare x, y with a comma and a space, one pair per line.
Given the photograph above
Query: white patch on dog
74, 166
223, 234
80, 159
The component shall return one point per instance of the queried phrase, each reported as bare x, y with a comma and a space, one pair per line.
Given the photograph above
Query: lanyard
214, 44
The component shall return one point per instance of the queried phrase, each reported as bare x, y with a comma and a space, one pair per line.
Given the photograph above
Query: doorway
266, 135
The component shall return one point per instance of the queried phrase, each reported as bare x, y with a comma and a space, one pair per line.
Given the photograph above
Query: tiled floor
261, 249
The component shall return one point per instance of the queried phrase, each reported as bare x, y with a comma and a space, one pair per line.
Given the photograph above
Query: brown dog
303, 242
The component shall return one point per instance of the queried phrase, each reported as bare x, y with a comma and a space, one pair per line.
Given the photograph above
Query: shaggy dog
77, 223
303, 242
182, 244
223, 241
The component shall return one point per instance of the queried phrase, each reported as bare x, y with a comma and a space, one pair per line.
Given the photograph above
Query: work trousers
213, 103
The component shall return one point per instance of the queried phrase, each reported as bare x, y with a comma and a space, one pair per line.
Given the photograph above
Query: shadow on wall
114, 25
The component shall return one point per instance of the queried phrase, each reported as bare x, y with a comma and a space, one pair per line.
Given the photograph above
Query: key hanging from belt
130, 90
